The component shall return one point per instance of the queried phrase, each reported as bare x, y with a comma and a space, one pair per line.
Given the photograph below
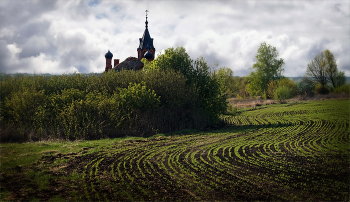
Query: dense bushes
282, 89
92, 106
109, 105
207, 85
342, 89
321, 89
282, 93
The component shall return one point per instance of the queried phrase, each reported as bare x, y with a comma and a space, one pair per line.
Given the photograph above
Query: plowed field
288, 152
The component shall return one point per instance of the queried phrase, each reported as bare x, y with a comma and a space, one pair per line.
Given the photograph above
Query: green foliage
305, 86
207, 86
226, 80
339, 79
231, 110
20, 106
268, 67
342, 89
93, 107
289, 84
176, 59
255, 84
172, 93
320, 89
264, 95
138, 97
271, 87
282, 93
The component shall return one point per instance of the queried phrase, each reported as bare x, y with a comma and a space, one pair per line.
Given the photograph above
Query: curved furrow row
266, 156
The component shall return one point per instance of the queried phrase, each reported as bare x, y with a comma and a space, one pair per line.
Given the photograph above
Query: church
145, 50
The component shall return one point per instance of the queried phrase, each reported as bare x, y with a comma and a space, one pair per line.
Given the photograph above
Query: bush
320, 89
282, 93
172, 93
231, 110
264, 95
342, 89
109, 105
211, 101
271, 87
306, 86
293, 90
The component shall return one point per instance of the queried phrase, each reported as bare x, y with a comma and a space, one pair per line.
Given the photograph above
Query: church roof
130, 63
146, 41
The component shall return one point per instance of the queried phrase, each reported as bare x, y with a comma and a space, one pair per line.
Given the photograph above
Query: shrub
282, 93
206, 86
264, 95
289, 84
342, 89
320, 89
271, 87
306, 86
96, 106
231, 110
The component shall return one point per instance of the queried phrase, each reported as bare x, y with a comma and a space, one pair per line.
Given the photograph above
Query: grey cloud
242, 72
316, 48
15, 12
74, 51
4, 56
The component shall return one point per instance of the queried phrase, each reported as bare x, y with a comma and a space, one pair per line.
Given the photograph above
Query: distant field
296, 152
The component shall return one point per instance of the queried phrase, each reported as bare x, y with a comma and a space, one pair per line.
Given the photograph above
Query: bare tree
323, 69
317, 69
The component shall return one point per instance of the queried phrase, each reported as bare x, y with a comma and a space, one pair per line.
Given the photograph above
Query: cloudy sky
46, 36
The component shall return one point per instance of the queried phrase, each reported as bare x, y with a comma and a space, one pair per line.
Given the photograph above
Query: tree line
171, 93
267, 80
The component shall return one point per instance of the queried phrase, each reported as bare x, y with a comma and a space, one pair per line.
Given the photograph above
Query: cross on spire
146, 19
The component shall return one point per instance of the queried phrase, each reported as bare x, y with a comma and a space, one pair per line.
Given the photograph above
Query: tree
227, 81
323, 69
268, 67
339, 79
207, 86
176, 59
316, 69
331, 67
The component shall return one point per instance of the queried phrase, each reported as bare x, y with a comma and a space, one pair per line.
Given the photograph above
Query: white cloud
74, 35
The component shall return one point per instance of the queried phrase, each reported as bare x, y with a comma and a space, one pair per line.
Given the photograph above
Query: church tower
146, 48
108, 57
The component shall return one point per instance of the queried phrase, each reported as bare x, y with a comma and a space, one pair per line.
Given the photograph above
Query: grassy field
283, 152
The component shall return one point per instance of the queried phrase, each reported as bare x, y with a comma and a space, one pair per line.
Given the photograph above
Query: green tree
226, 78
206, 85
176, 59
268, 67
339, 79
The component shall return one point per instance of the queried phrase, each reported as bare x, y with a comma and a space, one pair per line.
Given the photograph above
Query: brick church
145, 50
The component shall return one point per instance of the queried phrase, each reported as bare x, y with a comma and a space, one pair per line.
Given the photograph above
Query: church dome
148, 55
109, 55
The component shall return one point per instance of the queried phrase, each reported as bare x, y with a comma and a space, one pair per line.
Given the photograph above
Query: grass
293, 151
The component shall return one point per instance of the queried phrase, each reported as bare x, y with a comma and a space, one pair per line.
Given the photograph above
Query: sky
59, 37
